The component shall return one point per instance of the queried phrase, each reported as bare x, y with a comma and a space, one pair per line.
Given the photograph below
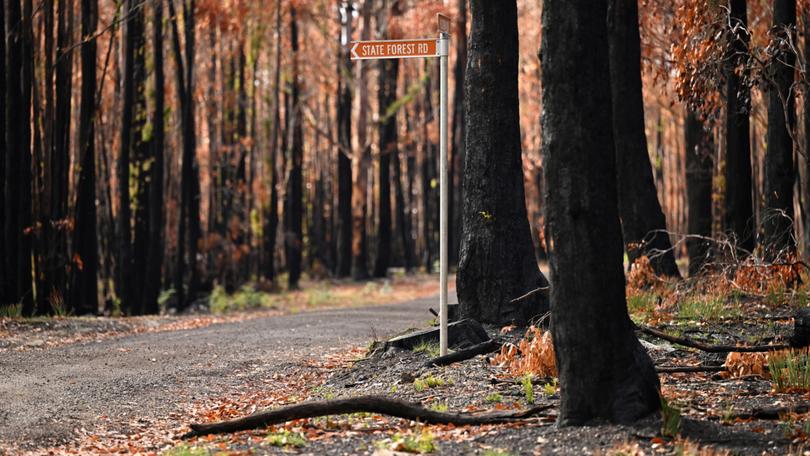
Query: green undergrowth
286, 439
790, 370
186, 450
428, 348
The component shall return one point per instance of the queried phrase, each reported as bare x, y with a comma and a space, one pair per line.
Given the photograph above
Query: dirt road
46, 395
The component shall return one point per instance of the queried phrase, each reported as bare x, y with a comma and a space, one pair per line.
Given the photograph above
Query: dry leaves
534, 354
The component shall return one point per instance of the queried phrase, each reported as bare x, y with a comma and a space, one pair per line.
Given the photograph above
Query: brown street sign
394, 49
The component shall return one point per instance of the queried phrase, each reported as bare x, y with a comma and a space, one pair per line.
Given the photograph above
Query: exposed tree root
686, 342
463, 355
369, 404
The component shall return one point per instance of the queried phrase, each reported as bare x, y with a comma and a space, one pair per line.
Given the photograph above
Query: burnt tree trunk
643, 223
271, 217
699, 165
293, 204
344, 151
403, 219
154, 251
739, 205
360, 164
386, 96
456, 165
497, 261
83, 297
777, 221
3, 156
613, 379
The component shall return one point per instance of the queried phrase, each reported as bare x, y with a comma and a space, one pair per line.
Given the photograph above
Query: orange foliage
534, 354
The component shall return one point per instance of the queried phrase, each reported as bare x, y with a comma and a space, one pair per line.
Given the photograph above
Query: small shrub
218, 301
642, 304
439, 407
421, 384
528, 388
790, 370
534, 354
286, 439
497, 452
11, 311
550, 388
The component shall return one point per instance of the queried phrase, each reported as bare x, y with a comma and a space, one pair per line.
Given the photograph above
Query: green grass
245, 298
528, 388
438, 407
497, 452
428, 348
421, 384
707, 308
551, 388
494, 398
790, 370
641, 305
185, 450
286, 439
11, 311
670, 419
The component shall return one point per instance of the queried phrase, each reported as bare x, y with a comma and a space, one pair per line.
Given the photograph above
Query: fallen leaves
534, 354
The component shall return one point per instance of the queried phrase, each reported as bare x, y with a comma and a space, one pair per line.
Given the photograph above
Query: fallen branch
772, 413
369, 404
688, 369
686, 342
463, 355
543, 290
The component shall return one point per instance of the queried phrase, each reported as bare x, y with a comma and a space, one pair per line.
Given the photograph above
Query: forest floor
137, 393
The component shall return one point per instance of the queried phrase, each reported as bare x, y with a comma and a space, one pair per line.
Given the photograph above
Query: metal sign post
425, 48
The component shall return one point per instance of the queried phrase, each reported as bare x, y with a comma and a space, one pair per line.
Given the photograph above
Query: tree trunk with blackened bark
497, 261
293, 204
699, 166
644, 225
777, 219
605, 374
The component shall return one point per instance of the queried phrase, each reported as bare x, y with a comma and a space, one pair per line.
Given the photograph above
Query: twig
371, 404
480, 349
687, 369
710, 348
772, 413
530, 294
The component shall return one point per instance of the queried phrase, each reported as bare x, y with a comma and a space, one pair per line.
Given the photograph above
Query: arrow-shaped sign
394, 49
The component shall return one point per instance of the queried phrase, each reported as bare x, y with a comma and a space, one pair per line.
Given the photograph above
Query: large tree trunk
344, 151
17, 191
739, 207
428, 171
497, 261
84, 283
699, 165
386, 96
779, 169
456, 165
360, 164
3, 155
643, 223
604, 372
293, 204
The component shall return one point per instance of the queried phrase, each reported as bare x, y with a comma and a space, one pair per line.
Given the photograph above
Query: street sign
394, 49
426, 48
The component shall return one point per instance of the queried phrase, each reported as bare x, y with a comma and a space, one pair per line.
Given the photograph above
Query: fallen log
688, 369
368, 404
772, 413
463, 355
686, 342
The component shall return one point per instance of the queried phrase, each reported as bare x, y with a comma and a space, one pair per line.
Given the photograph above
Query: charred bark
497, 257
699, 165
583, 224
293, 204
644, 225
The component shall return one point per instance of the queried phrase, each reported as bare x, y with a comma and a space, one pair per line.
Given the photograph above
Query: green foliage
11, 311
286, 439
790, 370
246, 298
670, 419
497, 452
428, 348
551, 388
494, 398
528, 388
641, 305
165, 297
421, 444
705, 307
319, 297
185, 450
421, 384
438, 406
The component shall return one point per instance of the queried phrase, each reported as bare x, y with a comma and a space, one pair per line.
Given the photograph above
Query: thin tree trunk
403, 220
699, 166
643, 223
84, 284
293, 205
3, 156
360, 164
739, 206
777, 221
387, 94
272, 209
497, 261
344, 151
584, 229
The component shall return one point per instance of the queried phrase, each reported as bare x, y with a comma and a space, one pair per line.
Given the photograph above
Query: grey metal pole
444, 51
